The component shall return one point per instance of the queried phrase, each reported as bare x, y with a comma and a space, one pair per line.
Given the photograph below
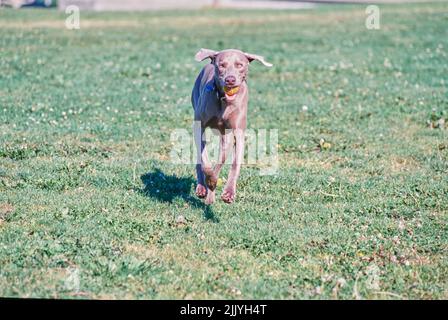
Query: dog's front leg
211, 175
206, 170
229, 192
201, 190
210, 179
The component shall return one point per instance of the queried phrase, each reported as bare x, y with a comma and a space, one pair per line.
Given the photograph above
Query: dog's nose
230, 80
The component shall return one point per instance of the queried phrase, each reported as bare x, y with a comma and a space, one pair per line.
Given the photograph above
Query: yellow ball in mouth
231, 91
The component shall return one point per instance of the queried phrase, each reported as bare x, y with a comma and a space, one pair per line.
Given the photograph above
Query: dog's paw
211, 181
201, 191
210, 197
228, 195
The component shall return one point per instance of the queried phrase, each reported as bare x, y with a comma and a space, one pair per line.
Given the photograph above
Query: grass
87, 188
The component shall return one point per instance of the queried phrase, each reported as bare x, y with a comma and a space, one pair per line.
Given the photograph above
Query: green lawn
88, 193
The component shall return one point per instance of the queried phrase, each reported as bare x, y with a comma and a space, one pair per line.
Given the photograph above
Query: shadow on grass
166, 188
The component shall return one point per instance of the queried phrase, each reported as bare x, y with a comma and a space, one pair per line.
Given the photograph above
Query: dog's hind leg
229, 192
225, 143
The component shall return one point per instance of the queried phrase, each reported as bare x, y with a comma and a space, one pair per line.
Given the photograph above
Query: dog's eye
238, 65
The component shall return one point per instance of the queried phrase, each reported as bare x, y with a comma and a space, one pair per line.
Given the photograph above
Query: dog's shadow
166, 188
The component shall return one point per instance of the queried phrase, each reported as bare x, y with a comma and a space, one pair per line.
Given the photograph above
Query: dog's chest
217, 122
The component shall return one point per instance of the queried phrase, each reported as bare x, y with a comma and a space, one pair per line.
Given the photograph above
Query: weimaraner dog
219, 99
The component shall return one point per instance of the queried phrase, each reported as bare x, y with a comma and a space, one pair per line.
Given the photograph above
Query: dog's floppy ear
251, 57
204, 54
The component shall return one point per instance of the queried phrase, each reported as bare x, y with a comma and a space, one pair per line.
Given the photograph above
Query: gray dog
219, 99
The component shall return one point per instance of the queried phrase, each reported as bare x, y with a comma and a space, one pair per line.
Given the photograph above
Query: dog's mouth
231, 92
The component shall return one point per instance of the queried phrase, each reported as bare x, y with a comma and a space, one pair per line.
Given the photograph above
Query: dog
219, 98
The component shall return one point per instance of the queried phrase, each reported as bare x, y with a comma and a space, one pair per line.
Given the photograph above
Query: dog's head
231, 67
